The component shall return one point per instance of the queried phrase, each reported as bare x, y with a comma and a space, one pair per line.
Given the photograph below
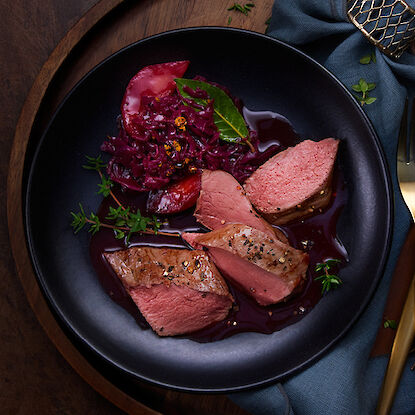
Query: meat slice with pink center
176, 290
294, 183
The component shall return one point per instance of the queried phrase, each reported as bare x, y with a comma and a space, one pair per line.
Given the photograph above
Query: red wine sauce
315, 235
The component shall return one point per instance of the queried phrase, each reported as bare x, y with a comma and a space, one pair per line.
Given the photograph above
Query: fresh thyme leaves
363, 87
229, 20
126, 222
116, 213
365, 60
97, 164
327, 264
94, 222
134, 222
105, 186
94, 163
243, 9
123, 220
390, 324
327, 278
80, 219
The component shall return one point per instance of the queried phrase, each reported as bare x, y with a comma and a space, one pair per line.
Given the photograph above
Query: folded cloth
346, 380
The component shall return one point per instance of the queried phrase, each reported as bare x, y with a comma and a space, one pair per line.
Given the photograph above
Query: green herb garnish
122, 220
390, 324
105, 186
328, 279
94, 163
364, 87
80, 220
242, 9
365, 60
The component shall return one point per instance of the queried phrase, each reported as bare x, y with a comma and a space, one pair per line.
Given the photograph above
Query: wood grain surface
34, 378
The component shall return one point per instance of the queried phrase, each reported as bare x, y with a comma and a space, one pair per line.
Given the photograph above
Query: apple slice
178, 197
154, 81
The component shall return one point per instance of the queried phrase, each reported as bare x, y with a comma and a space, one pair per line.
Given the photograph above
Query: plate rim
386, 175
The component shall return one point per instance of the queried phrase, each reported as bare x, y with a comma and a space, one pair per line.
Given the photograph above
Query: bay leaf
229, 121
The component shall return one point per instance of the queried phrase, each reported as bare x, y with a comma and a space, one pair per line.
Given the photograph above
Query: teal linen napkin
346, 381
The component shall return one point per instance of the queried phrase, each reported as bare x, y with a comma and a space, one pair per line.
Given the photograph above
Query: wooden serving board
102, 30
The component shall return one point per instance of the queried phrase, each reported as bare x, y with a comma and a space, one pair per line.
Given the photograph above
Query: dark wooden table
34, 377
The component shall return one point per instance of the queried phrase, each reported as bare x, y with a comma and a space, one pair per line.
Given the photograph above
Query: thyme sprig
328, 279
97, 164
243, 9
364, 87
365, 60
94, 163
80, 220
124, 221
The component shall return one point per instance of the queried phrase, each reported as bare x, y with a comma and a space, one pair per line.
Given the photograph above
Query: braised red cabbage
167, 147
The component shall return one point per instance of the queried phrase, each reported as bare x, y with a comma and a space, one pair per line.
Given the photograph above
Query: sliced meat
294, 183
178, 310
178, 291
223, 201
261, 285
264, 267
191, 239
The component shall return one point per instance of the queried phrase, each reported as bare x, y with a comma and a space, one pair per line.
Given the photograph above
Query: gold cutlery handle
388, 24
401, 346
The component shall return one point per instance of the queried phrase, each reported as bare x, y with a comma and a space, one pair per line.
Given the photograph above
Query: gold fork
406, 328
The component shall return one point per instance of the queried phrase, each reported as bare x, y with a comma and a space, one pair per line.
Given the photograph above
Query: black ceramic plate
267, 75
